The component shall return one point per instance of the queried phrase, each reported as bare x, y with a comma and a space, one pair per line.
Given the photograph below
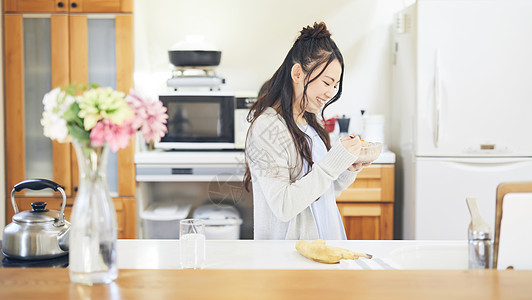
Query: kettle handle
36, 184
39, 184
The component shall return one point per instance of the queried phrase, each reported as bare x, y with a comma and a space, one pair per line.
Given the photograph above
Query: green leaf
93, 85
72, 113
78, 133
75, 88
70, 89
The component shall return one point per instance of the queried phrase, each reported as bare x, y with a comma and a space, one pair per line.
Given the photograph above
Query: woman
295, 173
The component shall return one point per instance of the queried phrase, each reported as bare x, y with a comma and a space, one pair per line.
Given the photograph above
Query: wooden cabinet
367, 205
42, 51
65, 6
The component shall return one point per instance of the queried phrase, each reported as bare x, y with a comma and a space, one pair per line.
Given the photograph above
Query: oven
199, 120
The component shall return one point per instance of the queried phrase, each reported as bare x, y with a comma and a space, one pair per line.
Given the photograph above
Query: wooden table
271, 284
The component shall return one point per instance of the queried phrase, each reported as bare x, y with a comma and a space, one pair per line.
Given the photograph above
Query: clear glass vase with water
93, 233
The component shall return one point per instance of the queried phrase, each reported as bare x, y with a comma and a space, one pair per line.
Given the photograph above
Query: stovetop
58, 262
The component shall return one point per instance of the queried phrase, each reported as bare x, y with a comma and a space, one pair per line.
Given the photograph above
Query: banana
318, 251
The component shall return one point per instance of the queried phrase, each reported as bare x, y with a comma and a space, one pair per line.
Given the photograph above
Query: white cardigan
282, 193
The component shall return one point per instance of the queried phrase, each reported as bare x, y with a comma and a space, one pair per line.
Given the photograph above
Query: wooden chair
503, 189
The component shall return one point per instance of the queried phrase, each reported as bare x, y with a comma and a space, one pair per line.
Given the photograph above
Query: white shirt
325, 210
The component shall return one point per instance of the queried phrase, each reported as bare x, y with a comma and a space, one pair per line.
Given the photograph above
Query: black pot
194, 58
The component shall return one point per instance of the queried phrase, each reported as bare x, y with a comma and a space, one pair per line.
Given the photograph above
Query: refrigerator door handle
489, 161
437, 99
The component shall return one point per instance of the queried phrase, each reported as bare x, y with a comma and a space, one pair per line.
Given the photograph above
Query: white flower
50, 99
57, 102
54, 127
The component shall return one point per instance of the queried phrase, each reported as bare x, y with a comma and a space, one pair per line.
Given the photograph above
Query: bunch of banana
318, 251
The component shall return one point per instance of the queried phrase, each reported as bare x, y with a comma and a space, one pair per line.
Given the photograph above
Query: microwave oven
204, 120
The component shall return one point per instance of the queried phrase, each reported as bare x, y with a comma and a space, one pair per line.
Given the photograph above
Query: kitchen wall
255, 36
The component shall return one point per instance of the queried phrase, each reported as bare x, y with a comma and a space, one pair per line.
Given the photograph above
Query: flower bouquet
93, 116
97, 119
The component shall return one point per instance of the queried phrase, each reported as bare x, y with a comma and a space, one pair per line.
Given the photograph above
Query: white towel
374, 263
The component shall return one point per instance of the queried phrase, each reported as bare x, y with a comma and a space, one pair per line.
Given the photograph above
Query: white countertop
201, 166
189, 157
386, 157
215, 157
250, 254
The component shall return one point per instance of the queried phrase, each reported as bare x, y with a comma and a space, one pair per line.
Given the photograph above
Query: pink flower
116, 135
150, 116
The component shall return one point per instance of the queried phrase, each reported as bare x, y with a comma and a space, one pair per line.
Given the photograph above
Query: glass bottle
93, 233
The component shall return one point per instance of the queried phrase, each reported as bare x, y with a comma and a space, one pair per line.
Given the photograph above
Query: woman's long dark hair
313, 48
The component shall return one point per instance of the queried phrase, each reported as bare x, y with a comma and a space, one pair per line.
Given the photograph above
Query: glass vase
93, 231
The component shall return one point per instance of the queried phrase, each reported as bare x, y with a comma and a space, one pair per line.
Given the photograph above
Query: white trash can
161, 219
222, 222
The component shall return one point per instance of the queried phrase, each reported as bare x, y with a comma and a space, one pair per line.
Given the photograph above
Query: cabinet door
101, 52
35, 51
45, 51
41, 6
126, 217
101, 6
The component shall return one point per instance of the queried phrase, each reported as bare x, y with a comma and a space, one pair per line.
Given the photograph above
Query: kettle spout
62, 238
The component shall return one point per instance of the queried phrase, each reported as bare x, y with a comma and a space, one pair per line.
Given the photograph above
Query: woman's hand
352, 144
358, 166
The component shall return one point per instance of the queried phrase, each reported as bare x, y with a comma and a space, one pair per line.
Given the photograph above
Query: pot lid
194, 42
165, 211
39, 214
218, 212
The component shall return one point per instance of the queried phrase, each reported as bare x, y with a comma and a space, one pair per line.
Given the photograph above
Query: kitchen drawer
366, 205
374, 183
367, 221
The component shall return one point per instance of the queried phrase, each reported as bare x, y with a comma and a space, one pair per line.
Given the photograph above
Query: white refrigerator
461, 109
